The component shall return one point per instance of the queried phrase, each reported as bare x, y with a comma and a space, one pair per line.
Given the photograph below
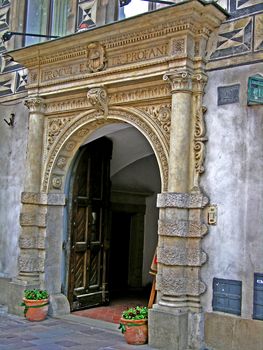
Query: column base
58, 305
16, 294
172, 329
168, 330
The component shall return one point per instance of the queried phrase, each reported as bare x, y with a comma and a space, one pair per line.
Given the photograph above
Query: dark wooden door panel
88, 278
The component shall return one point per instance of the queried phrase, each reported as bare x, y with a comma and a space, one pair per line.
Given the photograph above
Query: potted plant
134, 325
35, 302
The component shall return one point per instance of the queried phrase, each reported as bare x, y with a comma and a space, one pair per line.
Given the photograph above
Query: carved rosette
35, 104
98, 98
180, 80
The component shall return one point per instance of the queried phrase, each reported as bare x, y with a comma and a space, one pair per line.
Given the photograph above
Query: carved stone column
34, 209
36, 108
180, 255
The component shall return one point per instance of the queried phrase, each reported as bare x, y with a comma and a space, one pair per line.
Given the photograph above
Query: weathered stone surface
33, 219
182, 228
30, 263
181, 200
171, 283
181, 255
33, 198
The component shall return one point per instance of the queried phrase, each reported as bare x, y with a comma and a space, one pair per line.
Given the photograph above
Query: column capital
199, 82
35, 104
180, 80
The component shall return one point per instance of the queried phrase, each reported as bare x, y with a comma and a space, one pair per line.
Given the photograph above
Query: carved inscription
140, 94
138, 55
64, 72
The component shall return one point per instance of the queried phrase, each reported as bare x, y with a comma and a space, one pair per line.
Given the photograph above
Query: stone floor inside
112, 312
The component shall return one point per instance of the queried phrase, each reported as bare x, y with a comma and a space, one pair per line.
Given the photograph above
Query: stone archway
72, 134
140, 56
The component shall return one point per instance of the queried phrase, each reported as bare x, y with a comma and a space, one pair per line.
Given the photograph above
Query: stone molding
181, 256
182, 228
35, 104
181, 200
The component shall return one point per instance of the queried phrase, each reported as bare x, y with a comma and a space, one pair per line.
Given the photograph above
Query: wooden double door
89, 221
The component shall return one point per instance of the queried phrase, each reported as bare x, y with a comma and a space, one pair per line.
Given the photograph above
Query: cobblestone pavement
69, 332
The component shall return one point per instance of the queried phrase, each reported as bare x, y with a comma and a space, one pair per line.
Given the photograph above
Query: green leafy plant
136, 313
35, 294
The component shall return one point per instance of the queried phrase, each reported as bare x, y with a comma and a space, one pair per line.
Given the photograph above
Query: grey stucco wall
12, 171
233, 181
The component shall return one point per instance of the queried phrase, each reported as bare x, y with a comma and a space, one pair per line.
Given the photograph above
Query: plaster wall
13, 142
233, 181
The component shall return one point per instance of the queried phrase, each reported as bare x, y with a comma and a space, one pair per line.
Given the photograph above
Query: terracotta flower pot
135, 331
36, 310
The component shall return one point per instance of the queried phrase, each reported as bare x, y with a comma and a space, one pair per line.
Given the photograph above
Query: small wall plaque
228, 94
255, 90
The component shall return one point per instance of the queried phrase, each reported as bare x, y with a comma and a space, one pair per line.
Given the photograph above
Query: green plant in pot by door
134, 325
35, 302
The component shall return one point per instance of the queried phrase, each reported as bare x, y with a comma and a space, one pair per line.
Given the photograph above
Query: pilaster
181, 228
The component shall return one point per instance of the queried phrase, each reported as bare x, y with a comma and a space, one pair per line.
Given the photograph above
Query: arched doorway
127, 226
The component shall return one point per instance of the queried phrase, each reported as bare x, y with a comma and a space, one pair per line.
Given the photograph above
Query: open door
88, 267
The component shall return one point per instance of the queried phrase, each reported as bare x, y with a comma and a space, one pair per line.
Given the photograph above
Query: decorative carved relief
161, 114
199, 141
61, 162
180, 80
98, 98
55, 126
96, 57
68, 105
181, 255
93, 121
57, 182
182, 228
178, 47
181, 200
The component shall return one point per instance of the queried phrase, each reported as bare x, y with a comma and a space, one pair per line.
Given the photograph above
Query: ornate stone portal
153, 74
